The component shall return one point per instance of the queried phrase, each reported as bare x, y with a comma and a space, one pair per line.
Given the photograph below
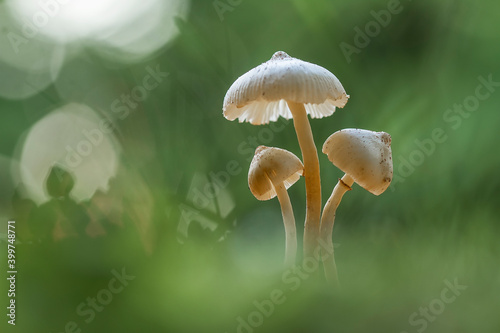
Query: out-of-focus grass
386, 276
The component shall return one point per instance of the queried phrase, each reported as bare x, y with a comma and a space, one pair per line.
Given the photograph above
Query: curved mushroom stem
327, 221
289, 222
311, 174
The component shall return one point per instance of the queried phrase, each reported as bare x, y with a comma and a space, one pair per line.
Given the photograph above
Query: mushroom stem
311, 174
289, 222
327, 221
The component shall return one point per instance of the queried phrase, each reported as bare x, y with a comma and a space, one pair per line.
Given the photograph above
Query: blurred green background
157, 189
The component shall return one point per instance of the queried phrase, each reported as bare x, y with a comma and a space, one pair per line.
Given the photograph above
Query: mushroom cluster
292, 88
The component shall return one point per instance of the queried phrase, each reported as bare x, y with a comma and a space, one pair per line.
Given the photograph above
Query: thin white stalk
289, 222
327, 221
311, 175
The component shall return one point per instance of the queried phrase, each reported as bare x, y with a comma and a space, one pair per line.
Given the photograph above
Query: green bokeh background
395, 253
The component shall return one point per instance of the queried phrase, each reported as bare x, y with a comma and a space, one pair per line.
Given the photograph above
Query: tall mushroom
366, 159
291, 88
272, 172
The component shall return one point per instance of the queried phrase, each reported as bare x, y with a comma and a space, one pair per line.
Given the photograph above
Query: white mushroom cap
260, 95
271, 166
364, 155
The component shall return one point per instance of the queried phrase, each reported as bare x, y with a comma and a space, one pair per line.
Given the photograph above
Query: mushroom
366, 159
272, 172
291, 88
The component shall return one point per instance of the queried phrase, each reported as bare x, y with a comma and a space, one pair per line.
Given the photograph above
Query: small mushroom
272, 172
291, 88
366, 159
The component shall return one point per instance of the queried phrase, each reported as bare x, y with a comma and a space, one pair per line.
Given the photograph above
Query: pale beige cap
364, 155
260, 95
272, 166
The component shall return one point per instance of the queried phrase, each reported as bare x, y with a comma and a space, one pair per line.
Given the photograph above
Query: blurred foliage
178, 214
